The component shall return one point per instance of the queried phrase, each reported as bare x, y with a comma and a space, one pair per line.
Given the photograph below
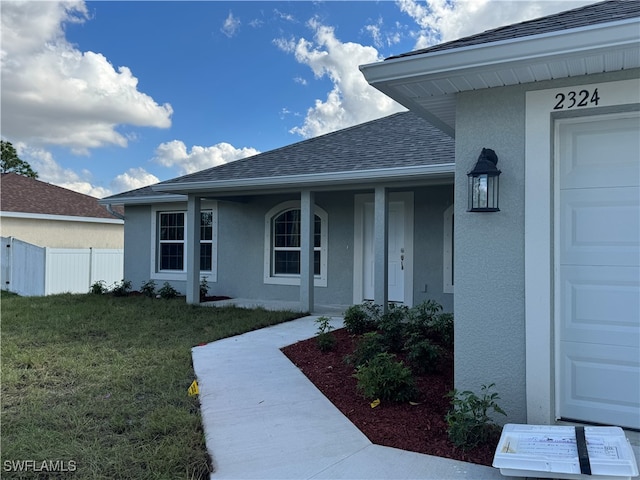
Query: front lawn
99, 383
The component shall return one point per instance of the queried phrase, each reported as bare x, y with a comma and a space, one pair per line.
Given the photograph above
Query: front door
598, 269
396, 251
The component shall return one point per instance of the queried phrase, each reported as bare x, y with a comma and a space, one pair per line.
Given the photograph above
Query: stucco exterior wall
489, 247
63, 234
241, 237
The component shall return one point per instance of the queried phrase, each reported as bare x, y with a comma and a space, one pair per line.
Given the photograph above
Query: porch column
192, 245
307, 201
381, 260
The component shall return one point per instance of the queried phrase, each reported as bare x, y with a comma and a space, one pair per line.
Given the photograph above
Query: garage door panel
600, 384
598, 269
600, 226
601, 305
595, 153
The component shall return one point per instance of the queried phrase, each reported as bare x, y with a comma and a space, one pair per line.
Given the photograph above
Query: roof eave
142, 200
548, 56
333, 180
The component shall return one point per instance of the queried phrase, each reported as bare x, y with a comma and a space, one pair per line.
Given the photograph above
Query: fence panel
30, 270
107, 265
67, 270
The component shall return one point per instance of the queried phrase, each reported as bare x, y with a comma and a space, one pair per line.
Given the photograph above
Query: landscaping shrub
442, 328
369, 345
326, 340
469, 423
167, 291
422, 354
121, 289
99, 288
358, 320
392, 327
385, 378
204, 288
148, 289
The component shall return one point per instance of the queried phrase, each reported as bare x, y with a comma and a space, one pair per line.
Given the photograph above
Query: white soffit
427, 83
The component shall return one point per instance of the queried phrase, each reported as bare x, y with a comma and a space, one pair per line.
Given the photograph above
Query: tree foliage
10, 162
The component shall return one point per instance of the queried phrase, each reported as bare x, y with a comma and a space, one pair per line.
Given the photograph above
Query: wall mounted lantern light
483, 183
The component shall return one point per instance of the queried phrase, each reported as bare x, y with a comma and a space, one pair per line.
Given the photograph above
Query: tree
10, 162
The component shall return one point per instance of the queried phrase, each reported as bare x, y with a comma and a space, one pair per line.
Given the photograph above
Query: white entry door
598, 269
396, 248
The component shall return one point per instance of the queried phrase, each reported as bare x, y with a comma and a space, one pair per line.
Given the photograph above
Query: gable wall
64, 234
489, 268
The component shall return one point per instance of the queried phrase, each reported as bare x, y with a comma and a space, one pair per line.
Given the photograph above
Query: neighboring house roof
401, 144
597, 38
24, 196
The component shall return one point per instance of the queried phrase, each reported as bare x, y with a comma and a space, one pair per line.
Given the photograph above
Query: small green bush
148, 289
422, 354
99, 288
326, 340
386, 378
468, 420
392, 327
121, 289
204, 288
369, 345
167, 291
358, 320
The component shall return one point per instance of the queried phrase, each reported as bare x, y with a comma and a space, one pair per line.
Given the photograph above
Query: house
50, 216
55, 240
547, 300
300, 223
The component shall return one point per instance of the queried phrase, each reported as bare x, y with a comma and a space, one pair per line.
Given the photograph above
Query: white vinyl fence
30, 270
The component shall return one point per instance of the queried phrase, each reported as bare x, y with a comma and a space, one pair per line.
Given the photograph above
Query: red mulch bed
418, 428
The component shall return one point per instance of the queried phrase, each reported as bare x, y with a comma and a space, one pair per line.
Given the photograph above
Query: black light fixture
484, 183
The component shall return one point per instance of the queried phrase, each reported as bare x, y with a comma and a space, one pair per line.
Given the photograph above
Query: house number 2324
573, 99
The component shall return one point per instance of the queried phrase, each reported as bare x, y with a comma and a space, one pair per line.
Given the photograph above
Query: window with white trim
283, 245
171, 241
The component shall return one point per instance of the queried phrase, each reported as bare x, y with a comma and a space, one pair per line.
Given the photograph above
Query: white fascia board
146, 200
313, 180
487, 56
64, 218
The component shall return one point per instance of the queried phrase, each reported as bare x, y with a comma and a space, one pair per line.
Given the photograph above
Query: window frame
270, 249
156, 273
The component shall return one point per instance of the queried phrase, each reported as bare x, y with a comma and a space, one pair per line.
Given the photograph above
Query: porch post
192, 245
307, 200
381, 261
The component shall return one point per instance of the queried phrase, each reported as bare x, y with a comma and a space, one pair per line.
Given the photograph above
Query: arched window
282, 245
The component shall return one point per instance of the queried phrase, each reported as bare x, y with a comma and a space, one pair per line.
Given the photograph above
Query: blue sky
103, 97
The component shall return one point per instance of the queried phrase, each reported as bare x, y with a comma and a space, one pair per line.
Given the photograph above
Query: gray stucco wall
489, 269
241, 248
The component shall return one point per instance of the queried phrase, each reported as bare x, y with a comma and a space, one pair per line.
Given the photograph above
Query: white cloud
445, 20
54, 94
132, 179
230, 25
351, 100
175, 154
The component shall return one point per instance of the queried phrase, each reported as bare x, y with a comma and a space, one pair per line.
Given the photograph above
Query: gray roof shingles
602, 12
27, 195
400, 140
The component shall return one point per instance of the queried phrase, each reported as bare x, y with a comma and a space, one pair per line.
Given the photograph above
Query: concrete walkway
264, 420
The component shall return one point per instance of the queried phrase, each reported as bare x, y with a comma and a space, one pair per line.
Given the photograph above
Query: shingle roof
27, 195
603, 12
400, 140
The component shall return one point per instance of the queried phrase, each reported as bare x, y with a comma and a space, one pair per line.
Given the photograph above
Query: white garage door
598, 269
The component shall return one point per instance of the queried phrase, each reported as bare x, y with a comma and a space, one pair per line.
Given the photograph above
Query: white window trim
181, 275
447, 251
539, 237
269, 278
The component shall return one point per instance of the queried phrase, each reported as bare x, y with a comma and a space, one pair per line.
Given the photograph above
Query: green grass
102, 381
